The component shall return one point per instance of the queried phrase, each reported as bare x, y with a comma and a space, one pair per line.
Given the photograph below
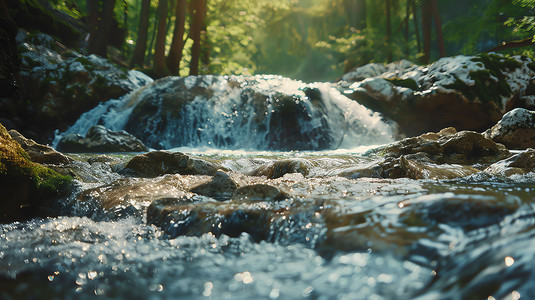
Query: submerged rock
521, 163
137, 192
220, 187
516, 129
28, 189
156, 163
176, 218
467, 92
39, 153
284, 166
465, 148
101, 139
259, 192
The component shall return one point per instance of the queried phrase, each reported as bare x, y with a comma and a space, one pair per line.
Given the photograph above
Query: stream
317, 230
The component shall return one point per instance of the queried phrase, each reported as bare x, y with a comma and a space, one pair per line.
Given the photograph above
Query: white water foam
245, 113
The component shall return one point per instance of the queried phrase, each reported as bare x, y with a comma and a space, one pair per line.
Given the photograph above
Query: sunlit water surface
471, 238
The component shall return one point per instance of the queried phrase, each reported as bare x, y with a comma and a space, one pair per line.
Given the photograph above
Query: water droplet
50, 278
91, 275
509, 261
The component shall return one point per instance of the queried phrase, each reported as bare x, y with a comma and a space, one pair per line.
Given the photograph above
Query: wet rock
467, 92
156, 163
516, 129
220, 187
39, 153
259, 112
521, 163
138, 192
415, 166
418, 170
285, 166
28, 189
65, 84
176, 218
101, 139
259, 192
465, 148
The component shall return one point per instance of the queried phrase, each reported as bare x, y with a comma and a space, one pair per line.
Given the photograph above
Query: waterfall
263, 112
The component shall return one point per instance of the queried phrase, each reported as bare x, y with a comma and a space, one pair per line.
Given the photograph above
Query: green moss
85, 62
50, 183
462, 87
28, 185
485, 88
531, 66
407, 83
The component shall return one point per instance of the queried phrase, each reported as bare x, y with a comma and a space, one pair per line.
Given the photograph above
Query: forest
310, 40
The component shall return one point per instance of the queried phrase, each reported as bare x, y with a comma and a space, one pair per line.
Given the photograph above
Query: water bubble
274, 294
208, 286
51, 278
307, 291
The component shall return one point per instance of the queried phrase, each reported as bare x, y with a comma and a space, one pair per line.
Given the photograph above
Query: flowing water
334, 238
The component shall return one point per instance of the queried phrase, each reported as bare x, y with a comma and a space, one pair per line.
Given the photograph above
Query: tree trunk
438, 28
142, 35
416, 29
406, 33
177, 45
426, 29
198, 13
388, 31
206, 47
93, 11
356, 13
159, 48
101, 40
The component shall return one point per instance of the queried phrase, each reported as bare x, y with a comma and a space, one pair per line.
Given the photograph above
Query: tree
99, 43
142, 34
429, 14
177, 45
159, 48
198, 14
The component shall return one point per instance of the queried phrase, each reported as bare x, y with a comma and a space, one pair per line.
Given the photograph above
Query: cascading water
235, 112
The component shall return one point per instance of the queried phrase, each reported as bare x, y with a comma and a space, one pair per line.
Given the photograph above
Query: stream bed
333, 238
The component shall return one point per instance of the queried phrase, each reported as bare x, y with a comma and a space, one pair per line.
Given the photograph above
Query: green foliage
314, 40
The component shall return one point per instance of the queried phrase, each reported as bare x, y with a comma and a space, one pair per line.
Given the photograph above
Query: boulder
220, 187
466, 92
64, 84
28, 189
156, 163
516, 129
517, 164
101, 139
250, 112
39, 153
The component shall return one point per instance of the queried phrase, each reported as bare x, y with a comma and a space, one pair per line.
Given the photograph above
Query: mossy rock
406, 83
28, 189
486, 89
